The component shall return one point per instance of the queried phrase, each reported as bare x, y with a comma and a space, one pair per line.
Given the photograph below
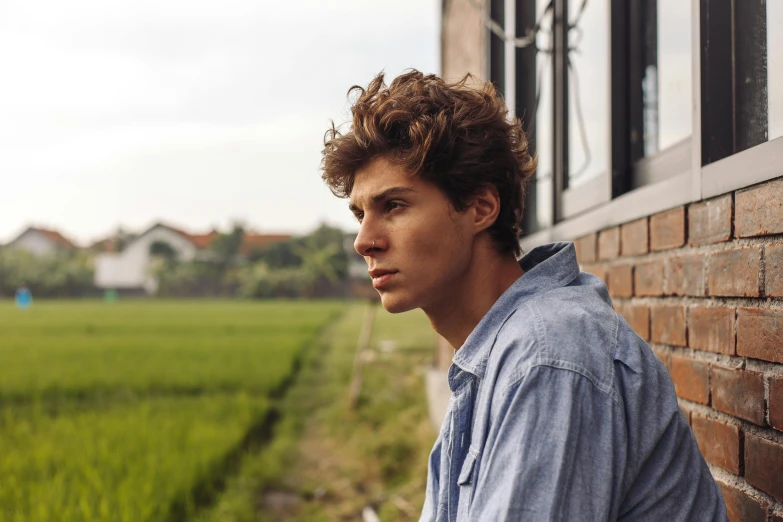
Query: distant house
255, 242
116, 242
129, 269
41, 242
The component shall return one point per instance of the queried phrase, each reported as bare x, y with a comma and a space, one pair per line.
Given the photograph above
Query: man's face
415, 244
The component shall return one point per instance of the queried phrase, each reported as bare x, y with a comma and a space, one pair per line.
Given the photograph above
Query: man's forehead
378, 178
375, 191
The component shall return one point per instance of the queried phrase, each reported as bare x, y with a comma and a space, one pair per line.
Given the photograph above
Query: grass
64, 349
138, 411
327, 462
130, 463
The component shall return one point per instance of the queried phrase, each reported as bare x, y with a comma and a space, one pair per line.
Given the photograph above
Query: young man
559, 411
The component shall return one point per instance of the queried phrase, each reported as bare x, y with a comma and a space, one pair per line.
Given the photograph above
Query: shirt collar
546, 267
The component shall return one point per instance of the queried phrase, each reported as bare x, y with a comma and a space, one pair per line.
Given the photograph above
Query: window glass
588, 91
667, 88
541, 214
497, 48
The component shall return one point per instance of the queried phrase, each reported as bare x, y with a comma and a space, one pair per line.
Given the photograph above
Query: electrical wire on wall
574, 79
518, 41
529, 39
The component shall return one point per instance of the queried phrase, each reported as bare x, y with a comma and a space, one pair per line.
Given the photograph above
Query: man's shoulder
571, 329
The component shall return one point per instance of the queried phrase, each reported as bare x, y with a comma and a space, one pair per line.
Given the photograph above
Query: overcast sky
193, 112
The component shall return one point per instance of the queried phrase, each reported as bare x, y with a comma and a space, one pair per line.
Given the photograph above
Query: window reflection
541, 213
668, 85
588, 91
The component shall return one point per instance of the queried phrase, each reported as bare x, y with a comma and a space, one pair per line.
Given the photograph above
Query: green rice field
132, 411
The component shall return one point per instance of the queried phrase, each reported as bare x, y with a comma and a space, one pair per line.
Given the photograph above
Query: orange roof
103, 245
257, 241
202, 240
174, 229
250, 242
55, 237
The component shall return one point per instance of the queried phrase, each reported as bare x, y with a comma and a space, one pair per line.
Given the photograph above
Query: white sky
192, 112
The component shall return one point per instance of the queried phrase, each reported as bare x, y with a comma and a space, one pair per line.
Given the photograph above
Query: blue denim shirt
559, 411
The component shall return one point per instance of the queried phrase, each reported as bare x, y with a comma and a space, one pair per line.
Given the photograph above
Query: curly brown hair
451, 134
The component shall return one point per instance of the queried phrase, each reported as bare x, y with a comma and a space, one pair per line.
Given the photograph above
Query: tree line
312, 265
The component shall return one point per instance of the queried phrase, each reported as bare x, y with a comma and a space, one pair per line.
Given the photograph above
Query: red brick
691, 379
685, 275
760, 334
667, 229
735, 272
662, 355
776, 403
668, 325
648, 278
710, 221
596, 270
739, 393
719, 442
609, 243
634, 238
638, 318
742, 508
711, 328
764, 465
773, 270
620, 280
759, 210
687, 413
586, 249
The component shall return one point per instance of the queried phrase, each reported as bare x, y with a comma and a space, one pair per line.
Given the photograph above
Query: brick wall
703, 284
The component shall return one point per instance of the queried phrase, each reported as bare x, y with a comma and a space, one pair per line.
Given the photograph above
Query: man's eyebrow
386, 194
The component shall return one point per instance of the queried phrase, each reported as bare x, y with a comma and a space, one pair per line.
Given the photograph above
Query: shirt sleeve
553, 451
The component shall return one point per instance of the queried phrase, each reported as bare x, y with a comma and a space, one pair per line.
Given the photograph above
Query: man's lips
381, 277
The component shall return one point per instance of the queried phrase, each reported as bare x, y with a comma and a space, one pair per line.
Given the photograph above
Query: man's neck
486, 279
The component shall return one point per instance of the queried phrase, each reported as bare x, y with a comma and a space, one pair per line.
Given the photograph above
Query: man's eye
391, 205
359, 216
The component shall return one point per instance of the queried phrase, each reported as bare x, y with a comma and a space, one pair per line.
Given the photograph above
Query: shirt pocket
466, 473
466, 486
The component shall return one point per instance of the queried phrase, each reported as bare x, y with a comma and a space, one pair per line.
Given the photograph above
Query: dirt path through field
375, 455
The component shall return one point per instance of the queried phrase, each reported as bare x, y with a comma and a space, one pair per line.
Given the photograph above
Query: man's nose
367, 241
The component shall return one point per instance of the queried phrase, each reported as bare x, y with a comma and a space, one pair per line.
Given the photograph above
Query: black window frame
632, 31
728, 140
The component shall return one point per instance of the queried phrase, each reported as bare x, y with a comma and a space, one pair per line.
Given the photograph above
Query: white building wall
130, 268
463, 40
35, 243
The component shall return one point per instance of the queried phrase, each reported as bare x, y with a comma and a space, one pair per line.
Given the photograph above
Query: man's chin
396, 304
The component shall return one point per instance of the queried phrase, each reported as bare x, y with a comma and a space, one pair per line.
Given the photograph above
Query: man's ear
486, 207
